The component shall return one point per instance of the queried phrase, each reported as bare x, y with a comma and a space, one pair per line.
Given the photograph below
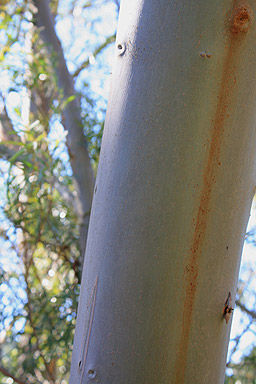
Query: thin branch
237, 340
8, 374
117, 2
7, 131
252, 314
10, 141
7, 135
98, 50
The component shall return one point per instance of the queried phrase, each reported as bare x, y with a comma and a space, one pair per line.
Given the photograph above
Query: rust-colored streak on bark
239, 25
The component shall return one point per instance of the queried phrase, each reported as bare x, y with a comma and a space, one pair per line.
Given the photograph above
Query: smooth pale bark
173, 194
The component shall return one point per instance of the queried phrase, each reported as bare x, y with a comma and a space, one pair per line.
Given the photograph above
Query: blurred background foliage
40, 261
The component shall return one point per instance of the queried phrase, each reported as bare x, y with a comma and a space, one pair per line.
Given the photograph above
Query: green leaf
67, 101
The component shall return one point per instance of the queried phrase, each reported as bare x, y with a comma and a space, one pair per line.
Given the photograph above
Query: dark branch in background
76, 143
8, 374
7, 135
117, 3
7, 132
252, 314
98, 50
237, 341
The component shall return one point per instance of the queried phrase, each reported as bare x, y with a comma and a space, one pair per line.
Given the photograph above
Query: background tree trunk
77, 147
172, 197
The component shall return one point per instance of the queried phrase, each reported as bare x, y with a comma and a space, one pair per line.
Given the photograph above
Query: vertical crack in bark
226, 91
82, 361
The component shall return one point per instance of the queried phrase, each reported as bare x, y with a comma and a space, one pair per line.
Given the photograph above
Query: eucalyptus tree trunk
172, 197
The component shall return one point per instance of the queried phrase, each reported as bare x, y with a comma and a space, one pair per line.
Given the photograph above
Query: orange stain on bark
240, 22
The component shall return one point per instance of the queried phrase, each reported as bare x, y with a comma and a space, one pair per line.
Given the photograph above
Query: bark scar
227, 311
241, 19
